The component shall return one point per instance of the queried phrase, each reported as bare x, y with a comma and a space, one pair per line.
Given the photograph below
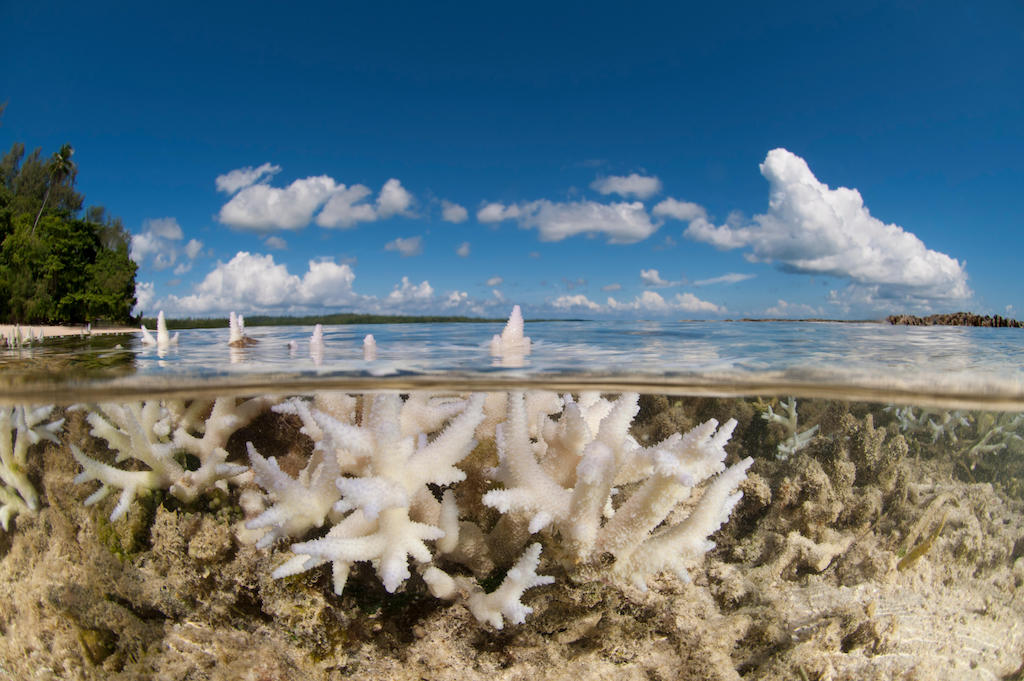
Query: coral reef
161, 435
378, 479
21, 427
861, 556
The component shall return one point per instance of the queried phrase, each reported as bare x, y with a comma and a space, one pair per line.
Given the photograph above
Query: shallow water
949, 366
880, 532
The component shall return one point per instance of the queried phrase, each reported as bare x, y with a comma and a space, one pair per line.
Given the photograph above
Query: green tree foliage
55, 266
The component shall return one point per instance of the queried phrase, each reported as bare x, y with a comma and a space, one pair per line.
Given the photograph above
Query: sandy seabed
870, 554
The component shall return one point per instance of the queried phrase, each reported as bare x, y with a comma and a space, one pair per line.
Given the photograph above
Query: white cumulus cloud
407, 292
456, 298
145, 294
346, 207
568, 302
250, 281
407, 247
640, 186
193, 248
158, 241
651, 277
621, 223
463, 250
786, 309
496, 212
262, 208
652, 301
256, 206
814, 229
679, 210
495, 281
453, 212
241, 178
393, 199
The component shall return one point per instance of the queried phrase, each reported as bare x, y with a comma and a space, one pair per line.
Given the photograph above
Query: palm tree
61, 168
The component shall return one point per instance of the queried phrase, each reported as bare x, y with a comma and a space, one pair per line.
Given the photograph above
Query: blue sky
669, 161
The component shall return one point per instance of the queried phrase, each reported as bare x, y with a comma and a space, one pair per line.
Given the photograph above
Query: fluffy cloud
495, 281
406, 292
496, 212
651, 301
621, 223
193, 248
258, 207
145, 294
463, 250
241, 178
679, 210
730, 278
158, 239
456, 298
629, 185
346, 207
393, 199
276, 243
651, 277
256, 283
615, 286
786, 309
453, 212
262, 208
811, 228
575, 301
407, 247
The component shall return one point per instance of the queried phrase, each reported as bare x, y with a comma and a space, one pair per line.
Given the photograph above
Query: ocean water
955, 365
880, 532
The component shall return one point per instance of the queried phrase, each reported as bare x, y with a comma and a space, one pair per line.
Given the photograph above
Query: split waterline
767, 500
937, 366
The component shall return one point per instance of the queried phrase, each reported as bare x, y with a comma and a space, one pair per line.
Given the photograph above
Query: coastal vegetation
58, 262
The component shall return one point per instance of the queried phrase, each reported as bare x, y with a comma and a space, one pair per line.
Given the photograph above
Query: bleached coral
388, 509
794, 440
158, 435
567, 480
512, 346
556, 477
20, 428
163, 338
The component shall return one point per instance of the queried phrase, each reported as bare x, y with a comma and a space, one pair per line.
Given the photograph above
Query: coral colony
409, 482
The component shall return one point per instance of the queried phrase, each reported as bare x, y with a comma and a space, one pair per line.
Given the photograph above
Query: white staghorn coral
21, 427
373, 467
389, 512
505, 601
538, 485
794, 440
157, 434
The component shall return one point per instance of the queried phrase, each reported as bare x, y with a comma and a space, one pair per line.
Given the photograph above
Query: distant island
955, 319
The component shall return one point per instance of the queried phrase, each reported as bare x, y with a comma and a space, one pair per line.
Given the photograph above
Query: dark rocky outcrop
955, 319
